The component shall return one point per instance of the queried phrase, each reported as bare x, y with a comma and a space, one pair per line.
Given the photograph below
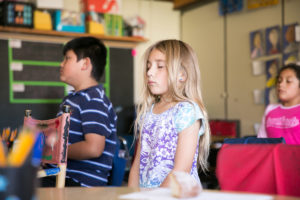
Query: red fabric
261, 168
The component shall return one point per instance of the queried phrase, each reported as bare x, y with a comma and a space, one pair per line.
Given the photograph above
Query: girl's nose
280, 84
150, 72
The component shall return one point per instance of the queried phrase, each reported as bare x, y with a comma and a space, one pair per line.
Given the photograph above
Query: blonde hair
180, 59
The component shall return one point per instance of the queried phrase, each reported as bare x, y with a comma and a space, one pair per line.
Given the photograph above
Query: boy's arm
185, 151
133, 180
91, 147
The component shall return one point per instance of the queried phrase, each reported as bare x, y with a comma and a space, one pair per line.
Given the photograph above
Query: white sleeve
262, 133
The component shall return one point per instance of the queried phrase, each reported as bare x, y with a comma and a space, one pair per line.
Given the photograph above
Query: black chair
120, 161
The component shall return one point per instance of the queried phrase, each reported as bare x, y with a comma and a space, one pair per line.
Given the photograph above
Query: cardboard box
113, 24
104, 23
42, 20
69, 21
95, 28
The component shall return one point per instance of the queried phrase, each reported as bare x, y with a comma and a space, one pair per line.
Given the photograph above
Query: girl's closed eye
289, 80
148, 65
161, 65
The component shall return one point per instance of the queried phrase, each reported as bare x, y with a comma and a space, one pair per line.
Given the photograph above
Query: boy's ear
86, 63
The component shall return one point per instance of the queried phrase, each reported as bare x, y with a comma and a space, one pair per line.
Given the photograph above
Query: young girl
283, 120
171, 119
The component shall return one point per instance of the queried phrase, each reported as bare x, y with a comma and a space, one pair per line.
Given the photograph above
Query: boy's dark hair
92, 48
292, 66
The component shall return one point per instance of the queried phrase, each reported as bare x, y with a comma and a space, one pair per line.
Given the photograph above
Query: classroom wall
162, 22
206, 35
202, 28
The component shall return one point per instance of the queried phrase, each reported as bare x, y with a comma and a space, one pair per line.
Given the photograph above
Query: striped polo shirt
91, 112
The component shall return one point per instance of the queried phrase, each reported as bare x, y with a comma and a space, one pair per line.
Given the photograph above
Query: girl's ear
182, 77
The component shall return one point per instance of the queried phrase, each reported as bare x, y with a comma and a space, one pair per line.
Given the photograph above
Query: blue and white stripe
97, 123
94, 111
91, 112
88, 174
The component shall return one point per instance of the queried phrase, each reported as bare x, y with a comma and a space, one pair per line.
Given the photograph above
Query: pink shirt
280, 121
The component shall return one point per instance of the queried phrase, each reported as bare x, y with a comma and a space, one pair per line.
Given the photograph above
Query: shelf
113, 40
179, 4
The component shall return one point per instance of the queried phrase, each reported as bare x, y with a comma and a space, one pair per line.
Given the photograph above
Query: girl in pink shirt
283, 120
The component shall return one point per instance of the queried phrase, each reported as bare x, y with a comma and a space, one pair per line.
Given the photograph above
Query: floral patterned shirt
159, 141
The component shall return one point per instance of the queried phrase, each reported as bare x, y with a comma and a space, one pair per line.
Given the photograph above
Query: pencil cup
18, 183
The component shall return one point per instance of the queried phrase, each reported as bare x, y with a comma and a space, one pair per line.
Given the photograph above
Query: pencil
7, 132
2, 155
17, 157
13, 135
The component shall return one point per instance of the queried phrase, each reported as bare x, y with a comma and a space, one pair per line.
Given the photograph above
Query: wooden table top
107, 193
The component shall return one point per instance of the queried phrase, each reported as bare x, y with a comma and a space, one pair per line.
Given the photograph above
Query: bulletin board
29, 77
33, 69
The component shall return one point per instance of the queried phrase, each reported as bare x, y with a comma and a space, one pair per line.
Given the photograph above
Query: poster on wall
290, 45
289, 42
230, 6
272, 67
257, 44
272, 40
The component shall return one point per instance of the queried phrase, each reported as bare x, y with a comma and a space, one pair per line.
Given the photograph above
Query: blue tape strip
52, 171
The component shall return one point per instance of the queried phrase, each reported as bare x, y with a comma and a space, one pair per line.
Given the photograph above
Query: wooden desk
97, 193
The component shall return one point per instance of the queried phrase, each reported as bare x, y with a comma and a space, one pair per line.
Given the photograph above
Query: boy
92, 134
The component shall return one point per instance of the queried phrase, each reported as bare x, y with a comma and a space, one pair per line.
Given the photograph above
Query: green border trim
106, 85
10, 73
36, 101
39, 83
38, 63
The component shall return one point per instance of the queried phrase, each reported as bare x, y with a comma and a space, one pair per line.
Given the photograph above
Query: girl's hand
166, 182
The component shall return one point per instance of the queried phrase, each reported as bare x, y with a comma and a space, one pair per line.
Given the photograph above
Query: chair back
55, 134
221, 128
121, 159
253, 140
